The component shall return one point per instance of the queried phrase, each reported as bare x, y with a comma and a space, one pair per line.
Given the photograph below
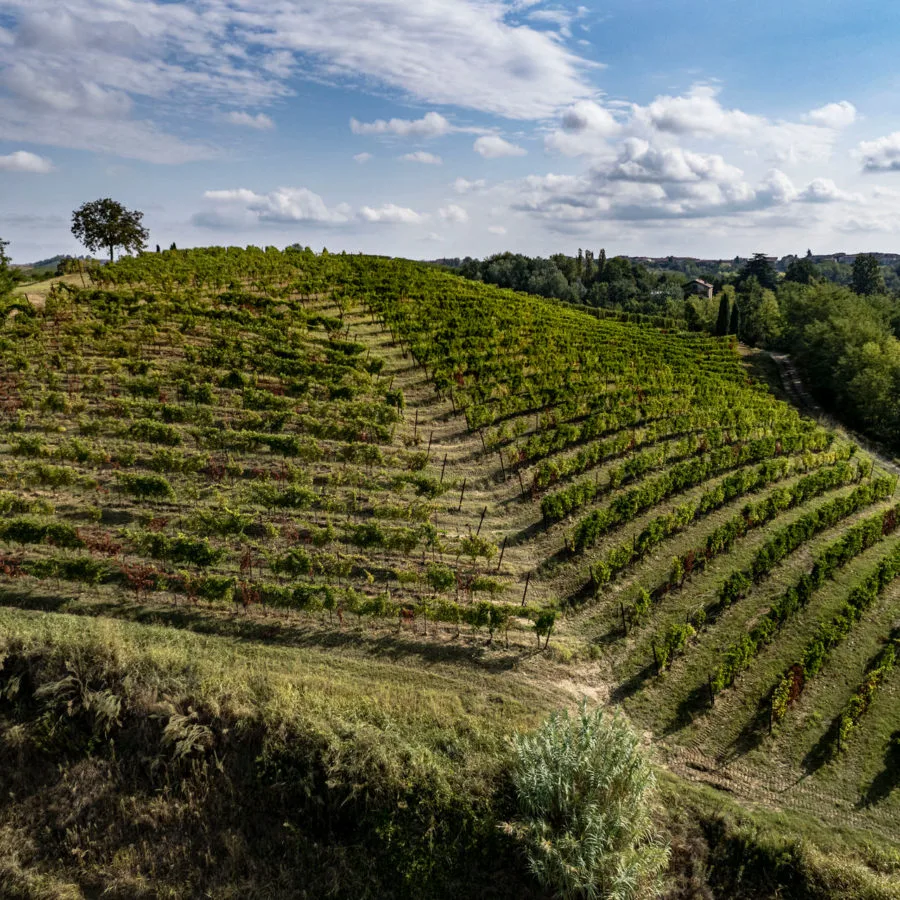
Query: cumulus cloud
260, 121
431, 125
23, 161
496, 229
880, 155
834, 115
493, 146
362, 157
420, 156
453, 213
283, 205
392, 214
585, 129
647, 183
824, 190
640, 161
699, 114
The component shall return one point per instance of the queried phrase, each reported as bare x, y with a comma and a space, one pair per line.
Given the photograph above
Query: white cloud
362, 157
496, 229
456, 52
640, 161
23, 161
284, 205
68, 66
647, 183
586, 127
776, 189
453, 213
493, 146
260, 121
834, 115
125, 138
824, 190
59, 92
429, 126
699, 114
880, 155
464, 186
392, 214
558, 17
420, 156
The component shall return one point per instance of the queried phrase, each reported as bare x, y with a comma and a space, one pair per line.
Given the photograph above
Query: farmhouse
699, 287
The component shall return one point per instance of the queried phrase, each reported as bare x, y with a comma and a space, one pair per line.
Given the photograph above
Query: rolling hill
293, 543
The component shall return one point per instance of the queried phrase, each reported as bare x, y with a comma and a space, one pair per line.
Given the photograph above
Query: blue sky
456, 127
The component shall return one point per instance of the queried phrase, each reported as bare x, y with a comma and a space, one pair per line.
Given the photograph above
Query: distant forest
838, 316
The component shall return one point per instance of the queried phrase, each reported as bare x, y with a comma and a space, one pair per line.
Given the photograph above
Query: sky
441, 128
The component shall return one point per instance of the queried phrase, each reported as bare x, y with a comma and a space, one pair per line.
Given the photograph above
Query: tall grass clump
585, 790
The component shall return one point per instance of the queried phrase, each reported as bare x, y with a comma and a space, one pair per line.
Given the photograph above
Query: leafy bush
584, 790
440, 578
155, 432
146, 486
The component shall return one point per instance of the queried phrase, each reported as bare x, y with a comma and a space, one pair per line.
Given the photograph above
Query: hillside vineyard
334, 444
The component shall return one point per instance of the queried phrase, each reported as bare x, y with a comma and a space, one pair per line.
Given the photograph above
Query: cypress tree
734, 326
724, 315
587, 275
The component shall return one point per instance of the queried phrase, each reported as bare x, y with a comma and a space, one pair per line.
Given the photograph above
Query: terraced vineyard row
291, 444
635, 477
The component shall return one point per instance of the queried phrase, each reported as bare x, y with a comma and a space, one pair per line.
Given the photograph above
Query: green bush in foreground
584, 792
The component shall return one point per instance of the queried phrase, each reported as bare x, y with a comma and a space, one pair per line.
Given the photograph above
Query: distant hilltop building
699, 287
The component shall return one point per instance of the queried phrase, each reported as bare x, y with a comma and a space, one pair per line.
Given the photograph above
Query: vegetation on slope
352, 457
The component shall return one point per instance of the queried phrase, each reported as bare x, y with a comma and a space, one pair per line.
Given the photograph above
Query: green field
315, 534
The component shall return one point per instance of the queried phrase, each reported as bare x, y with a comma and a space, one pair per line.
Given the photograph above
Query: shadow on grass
696, 702
754, 731
823, 750
889, 778
763, 369
631, 686
397, 646
532, 531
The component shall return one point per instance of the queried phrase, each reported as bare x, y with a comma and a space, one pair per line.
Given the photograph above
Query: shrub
440, 578
154, 432
584, 790
146, 486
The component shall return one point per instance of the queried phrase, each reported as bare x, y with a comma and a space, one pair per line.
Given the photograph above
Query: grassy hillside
259, 504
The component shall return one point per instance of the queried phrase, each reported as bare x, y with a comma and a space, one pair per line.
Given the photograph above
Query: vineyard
372, 459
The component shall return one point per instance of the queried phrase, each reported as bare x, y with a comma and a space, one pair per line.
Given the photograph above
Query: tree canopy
760, 268
867, 277
6, 276
803, 271
109, 225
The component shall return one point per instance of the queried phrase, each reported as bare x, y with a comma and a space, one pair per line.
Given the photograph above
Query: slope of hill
404, 515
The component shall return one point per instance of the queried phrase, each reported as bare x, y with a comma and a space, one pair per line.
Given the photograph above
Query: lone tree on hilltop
106, 223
